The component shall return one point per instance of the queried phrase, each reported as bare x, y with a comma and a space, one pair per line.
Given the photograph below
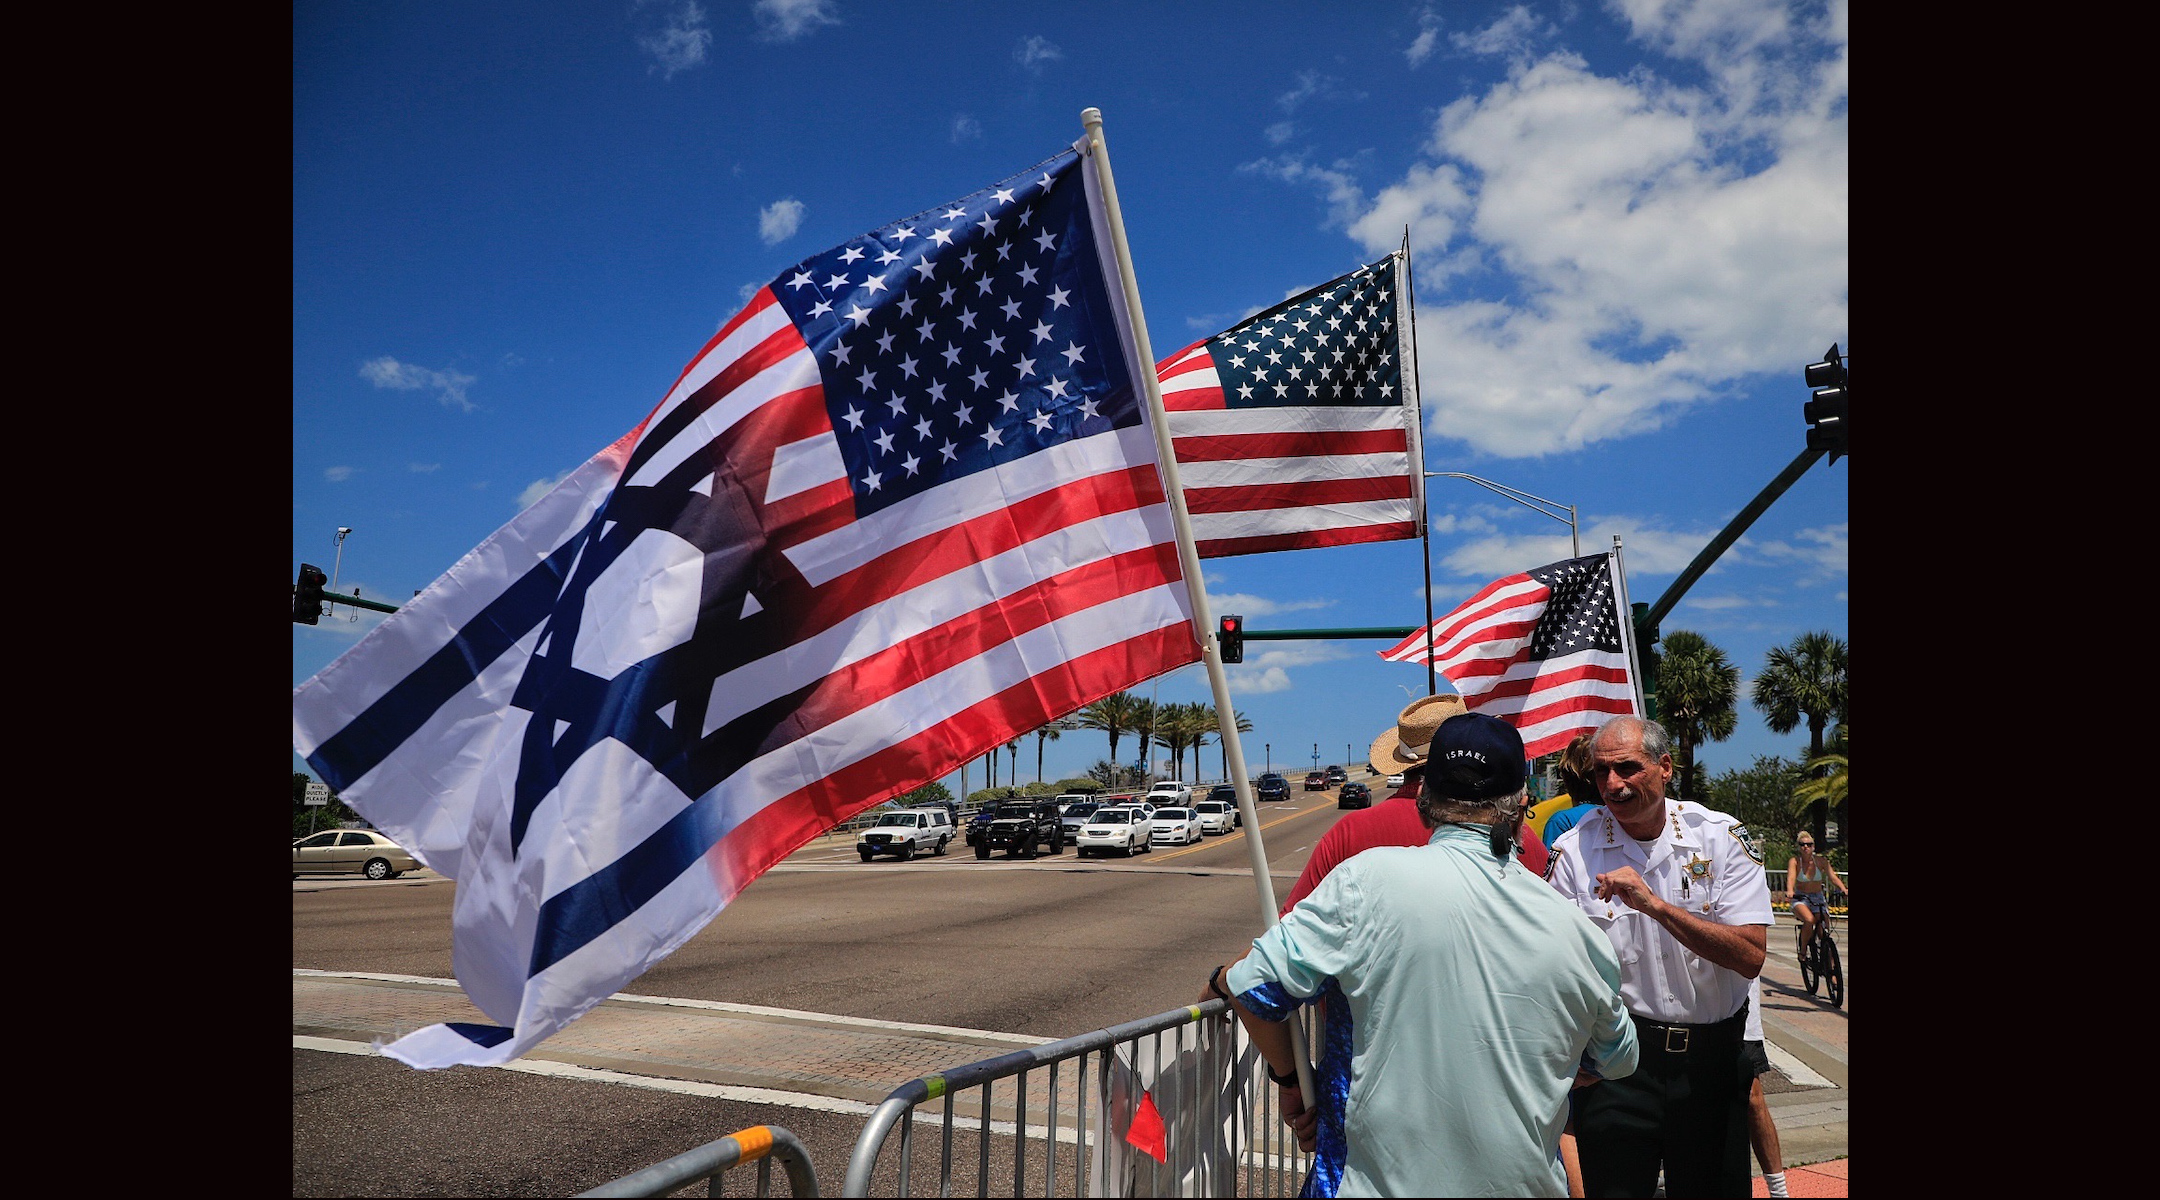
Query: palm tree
1825, 785
1114, 715
1048, 733
1191, 723
1243, 724
1697, 689
1012, 761
1804, 682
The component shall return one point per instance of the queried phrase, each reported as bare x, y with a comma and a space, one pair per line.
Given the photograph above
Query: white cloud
1309, 85
1428, 34
778, 221
1248, 605
388, 372
742, 295
1514, 36
538, 488
1723, 603
680, 40
1821, 552
423, 468
1246, 681
1279, 132
1269, 670
337, 474
1345, 200
1035, 50
965, 129
787, 20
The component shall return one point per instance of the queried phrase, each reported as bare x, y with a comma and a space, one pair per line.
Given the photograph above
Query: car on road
906, 834
1354, 795
361, 852
1023, 829
1071, 817
1395, 780
1175, 826
1316, 781
1168, 791
1337, 775
1216, 817
1114, 827
1227, 794
1272, 787
1067, 799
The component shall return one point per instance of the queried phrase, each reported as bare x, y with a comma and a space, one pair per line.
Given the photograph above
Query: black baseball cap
1476, 757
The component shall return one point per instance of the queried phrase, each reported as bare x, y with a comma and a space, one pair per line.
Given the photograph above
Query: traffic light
1231, 639
307, 594
1826, 413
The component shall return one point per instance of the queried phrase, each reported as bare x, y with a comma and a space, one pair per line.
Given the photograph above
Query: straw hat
1405, 745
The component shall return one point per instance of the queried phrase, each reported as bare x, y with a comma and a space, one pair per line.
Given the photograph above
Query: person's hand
1629, 887
1303, 1121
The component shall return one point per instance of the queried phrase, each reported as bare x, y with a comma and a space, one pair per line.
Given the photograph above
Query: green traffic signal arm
1718, 545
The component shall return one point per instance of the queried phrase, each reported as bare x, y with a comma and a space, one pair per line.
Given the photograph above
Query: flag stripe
1277, 496
1303, 539
1324, 519
1287, 445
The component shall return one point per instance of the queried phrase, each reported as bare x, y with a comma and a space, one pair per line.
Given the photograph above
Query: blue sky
513, 225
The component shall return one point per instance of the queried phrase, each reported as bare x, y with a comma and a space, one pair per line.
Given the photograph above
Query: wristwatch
1214, 986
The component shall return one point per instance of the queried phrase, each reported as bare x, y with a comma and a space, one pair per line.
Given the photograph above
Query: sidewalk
1820, 1179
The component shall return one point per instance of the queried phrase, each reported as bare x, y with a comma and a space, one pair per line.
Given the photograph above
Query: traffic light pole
1647, 623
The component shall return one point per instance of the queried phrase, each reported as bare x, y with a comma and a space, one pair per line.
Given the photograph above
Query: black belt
1678, 1039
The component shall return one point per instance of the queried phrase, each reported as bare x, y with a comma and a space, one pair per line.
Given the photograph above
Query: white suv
906, 833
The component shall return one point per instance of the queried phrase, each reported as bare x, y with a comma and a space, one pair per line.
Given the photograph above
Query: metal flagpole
1189, 561
1415, 419
1627, 625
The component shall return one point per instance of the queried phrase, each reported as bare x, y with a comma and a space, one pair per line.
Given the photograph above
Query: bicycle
1819, 963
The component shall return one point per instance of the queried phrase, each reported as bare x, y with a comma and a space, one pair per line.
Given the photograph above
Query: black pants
1685, 1110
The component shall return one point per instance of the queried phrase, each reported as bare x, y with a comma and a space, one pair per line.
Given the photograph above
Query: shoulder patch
1747, 841
1552, 863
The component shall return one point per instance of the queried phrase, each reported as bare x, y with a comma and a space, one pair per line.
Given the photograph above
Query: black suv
1227, 793
1023, 828
1272, 787
1354, 795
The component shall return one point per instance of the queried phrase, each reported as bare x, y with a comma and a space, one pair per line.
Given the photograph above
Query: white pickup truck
906, 833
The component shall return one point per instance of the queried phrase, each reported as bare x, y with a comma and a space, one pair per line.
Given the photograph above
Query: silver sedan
1174, 826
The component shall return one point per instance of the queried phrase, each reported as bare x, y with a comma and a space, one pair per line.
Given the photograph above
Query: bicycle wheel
1807, 968
1833, 973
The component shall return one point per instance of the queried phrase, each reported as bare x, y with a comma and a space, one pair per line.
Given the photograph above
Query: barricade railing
759, 1143
1223, 1129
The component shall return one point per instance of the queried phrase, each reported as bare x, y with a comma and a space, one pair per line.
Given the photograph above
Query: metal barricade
1223, 1129
759, 1143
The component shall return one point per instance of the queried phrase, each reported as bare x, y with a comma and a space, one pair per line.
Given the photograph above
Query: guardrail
1222, 1134
759, 1143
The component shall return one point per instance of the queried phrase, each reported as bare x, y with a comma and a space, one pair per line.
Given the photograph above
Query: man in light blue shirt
1475, 998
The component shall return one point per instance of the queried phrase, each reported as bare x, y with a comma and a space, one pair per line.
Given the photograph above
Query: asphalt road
1046, 948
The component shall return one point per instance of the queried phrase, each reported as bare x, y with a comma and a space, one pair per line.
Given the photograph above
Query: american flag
901, 509
1299, 427
1543, 650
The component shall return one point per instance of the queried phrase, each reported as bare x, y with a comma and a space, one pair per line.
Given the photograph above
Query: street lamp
1536, 503
342, 532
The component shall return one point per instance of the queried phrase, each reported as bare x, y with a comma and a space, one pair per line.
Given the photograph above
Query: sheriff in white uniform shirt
1679, 891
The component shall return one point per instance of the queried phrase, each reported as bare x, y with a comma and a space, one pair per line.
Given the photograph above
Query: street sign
318, 793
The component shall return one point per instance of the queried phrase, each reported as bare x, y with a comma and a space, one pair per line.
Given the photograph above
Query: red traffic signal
1231, 639
307, 594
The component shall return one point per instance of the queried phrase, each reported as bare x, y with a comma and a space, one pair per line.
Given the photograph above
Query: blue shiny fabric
1331, 1076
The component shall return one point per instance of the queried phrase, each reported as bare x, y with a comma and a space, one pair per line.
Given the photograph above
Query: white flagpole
1189, 560
1627, 626
1414, 417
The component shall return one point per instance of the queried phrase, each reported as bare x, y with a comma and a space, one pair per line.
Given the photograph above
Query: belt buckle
1669, 1047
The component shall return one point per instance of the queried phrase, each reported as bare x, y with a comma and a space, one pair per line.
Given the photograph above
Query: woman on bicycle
1805, 876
